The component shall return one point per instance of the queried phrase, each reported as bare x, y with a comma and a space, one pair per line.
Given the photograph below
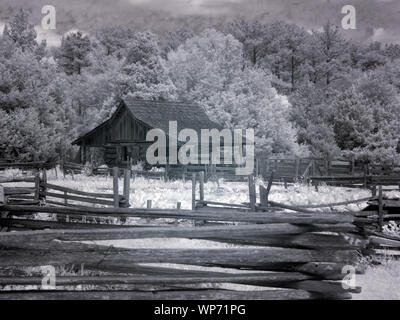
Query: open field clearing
165, 194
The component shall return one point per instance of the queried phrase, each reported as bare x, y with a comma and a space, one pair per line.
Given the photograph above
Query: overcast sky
376, 19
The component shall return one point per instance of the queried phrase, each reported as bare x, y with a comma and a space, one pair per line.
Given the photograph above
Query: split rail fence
299, 255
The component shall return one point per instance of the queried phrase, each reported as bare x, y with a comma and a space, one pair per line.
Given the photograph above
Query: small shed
122, 138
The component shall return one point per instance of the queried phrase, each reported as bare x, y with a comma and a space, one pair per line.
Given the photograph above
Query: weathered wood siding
125, 128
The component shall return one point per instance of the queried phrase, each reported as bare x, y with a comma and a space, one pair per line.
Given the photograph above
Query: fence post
373, 190
127, 185
313, 168
271, 180
380, 209
2, 197
62, 168
44, 181
193, 191
257, 168
297, 168
263, 196
201, 179
55, 171
352, 166
149, 204
184, 174
178, 205
328, 167
115, 187
166, 172
37, 186
365, 177
252, 193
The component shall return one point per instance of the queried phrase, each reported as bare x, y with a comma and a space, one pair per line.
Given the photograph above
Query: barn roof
157, 114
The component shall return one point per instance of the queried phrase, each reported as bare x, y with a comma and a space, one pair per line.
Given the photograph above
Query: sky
377, 20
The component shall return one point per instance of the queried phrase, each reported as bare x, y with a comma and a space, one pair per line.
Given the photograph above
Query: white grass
165, 195
380, 282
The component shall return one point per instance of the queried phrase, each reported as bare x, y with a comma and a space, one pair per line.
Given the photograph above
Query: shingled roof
157, 114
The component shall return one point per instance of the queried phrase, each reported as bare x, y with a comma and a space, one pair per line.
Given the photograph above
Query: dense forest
304, 92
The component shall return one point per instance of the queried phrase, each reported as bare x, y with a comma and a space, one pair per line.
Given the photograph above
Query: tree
250, 34
115, 40
326, 56
282, 52
23, 137
143, 73
367, 119
30, 86
360, 122
313, 120
373, 56
73, 53
21, 32
204, 63
205, 70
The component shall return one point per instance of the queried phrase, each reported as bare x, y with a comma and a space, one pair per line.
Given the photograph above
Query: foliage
299, 90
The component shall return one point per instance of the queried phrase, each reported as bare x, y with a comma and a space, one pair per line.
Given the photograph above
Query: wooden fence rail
302, 264
304, 252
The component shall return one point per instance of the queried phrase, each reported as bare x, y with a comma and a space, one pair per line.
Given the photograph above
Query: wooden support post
365, 177
115, 187
328, 167
297, 169
380, 212
257, 168
60, 217
37, 186
373, 189
178, 205
313, 168
285, 183
193, 191
127, 185
263, 196
271, 180
267, 166
44, 181
149, 204
352, 169
2, 197
62, 168
252, 193
184, 173
201, 179
166, 172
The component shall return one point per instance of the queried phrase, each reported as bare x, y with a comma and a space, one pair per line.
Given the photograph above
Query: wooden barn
122, 138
